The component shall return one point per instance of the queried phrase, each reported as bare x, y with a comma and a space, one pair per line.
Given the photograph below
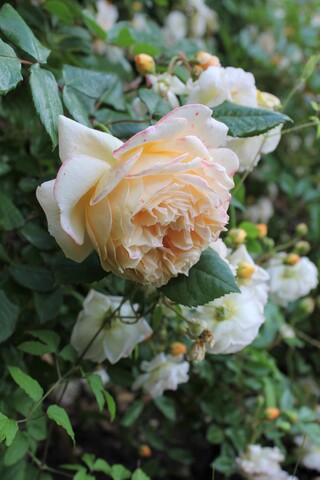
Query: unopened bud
285, 426
267, 100
206, 60
272, 413
291, 259
245, 270
262, 229
145, 451
292, 415
302, 247
302, 229
237, 235
178, 348
207, 337
144, 63
198, 351
307, 305
267, 242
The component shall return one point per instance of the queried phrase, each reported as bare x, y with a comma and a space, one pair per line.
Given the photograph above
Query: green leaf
310, 66
247, 121
10, 73
96, 386
92, 25
33, 277
60, 417
111, 405
133, 413
28, 384
209, 279
68, 272
10, 217
46, 99
37, 236
18, 32
101, 465
150, 98
60, 10
48, 304
139, 475
16, 450
146, 48
50, 342
166, 406
78, 105
8, 317
8, 429
215, 434
119, 472
88, 82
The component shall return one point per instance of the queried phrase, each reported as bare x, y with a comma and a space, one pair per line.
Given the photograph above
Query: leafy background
49, 64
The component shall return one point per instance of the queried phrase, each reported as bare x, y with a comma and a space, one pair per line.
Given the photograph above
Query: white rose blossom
291, 282
234, 320
310, 455
262, 463
257, 283
117, 339
203, 19
217, 84
107, 14
261, 211
168, 86
175, 27
164, 372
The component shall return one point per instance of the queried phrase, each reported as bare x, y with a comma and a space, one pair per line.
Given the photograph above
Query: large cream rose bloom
149, 206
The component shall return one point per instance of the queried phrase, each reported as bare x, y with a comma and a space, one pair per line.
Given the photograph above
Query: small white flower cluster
217, 84
164, 372
310, 457
234, 319
201, 20
291, 282
115, 339
262, 463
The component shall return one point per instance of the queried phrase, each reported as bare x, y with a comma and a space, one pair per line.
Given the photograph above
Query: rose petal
49, 204
75, 139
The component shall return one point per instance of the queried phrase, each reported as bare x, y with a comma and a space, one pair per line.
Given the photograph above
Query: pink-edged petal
75, 139
227, 159
49, 204
112, 178
74, 180
182, 122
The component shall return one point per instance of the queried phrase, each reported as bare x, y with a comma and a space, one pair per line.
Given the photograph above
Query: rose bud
144, 63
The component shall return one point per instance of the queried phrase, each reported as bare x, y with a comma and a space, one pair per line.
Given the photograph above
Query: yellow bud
144, 63
245, 270
206, 60
237, 235
292, 259
145, 451
198, 351
262, 229
178, 348
272, 413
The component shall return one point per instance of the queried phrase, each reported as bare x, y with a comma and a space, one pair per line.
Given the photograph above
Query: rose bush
150, 206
